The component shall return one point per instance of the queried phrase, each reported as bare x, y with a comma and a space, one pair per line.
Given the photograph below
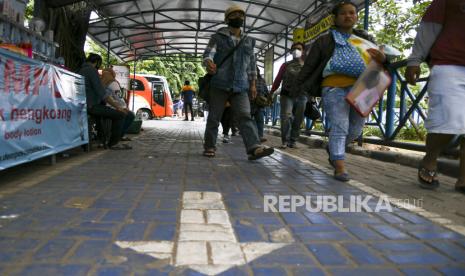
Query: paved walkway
163, 209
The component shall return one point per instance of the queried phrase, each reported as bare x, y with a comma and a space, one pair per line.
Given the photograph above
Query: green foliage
407, 133
318, 127
372, 131
393, 22
97, 49
29, 12
410, 134
176, 69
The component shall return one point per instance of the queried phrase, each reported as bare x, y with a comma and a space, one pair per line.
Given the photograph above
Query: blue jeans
241, 111
127, 122
292, 116
258, 114
308, 123
346, 124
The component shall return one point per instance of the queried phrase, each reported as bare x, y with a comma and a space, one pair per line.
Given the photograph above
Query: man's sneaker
226, 139
283, 146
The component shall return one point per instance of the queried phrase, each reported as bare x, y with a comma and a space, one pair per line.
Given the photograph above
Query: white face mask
296, 53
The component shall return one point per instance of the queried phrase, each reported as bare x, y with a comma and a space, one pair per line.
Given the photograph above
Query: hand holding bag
369, 88
261, 101
204, 86
204, 81
312, 111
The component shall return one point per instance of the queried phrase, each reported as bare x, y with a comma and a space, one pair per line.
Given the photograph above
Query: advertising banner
122, 75
42, 110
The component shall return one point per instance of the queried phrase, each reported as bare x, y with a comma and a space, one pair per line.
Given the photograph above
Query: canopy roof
148, 28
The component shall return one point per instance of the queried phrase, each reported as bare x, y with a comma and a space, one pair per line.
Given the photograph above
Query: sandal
425, 184
209, 153
260, 152
121, 147
344, 177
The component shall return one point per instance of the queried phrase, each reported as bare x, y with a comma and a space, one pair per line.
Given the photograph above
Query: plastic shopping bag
369, 88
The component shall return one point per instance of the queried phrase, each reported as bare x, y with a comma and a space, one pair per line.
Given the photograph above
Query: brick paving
135, 213
394, 179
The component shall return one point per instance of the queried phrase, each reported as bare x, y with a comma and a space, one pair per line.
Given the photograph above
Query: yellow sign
298, 35
318, 28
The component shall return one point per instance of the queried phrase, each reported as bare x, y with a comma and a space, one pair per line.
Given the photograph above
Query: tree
176, 69
394, 22
97, 49
69, 24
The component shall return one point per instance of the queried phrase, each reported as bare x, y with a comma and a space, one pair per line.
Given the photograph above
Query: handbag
204, 81
312, 111
261, 101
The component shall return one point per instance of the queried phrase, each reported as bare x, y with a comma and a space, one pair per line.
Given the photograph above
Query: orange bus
150, 96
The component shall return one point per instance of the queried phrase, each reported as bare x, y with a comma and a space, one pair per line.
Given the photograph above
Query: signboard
42, 110
314, 31
122, 75
298, 35
269, 60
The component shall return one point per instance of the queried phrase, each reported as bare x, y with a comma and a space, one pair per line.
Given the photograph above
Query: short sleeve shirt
449, 47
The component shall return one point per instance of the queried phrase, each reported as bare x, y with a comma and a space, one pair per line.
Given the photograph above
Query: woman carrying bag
333, 65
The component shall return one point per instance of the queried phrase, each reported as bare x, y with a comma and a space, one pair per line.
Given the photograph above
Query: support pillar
390, 107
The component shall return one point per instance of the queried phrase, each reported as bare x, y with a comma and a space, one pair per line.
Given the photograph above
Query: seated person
113, 90
96, 95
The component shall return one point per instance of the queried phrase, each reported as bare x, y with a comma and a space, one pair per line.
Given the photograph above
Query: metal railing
388, 116
409, 103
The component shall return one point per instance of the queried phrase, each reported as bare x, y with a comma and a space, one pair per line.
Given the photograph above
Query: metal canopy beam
114, 47
152, 27
257, 3
181, 20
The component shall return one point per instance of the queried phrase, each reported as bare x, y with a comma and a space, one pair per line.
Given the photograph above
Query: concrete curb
445, 166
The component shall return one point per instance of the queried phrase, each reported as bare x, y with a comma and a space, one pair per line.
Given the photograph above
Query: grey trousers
241, 111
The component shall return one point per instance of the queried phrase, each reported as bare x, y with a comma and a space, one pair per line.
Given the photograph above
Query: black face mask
236, 22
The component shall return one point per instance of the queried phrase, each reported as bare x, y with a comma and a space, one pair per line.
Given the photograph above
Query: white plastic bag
369, 88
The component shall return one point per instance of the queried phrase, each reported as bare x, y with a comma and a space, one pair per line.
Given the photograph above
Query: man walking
292, 101
229, 58
187, 94
441, 39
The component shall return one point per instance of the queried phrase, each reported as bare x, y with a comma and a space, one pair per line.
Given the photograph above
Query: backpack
293, 68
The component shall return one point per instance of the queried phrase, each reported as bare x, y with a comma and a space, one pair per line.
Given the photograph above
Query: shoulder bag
204, 81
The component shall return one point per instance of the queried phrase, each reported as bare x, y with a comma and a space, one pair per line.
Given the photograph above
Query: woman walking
330, 70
